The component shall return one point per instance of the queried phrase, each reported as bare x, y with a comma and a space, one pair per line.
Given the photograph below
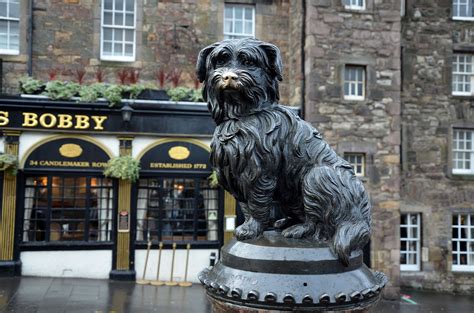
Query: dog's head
240, 77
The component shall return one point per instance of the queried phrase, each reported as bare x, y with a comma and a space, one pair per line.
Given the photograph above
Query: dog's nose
229, 76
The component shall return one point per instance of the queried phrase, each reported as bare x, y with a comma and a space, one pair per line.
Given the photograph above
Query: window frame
121, 58
354, 7
47, 243
362, 164
456, 55
199, 244
417, 240
238, 35
356, 82
469, 239
456, 171
8, 20
462, 18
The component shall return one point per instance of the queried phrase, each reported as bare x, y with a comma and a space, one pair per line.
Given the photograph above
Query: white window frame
121, 58
455, 148
353, 83
456, 10
455, 65
352, 158
353, 5
469, 239
229, 35
408, 239
11, 19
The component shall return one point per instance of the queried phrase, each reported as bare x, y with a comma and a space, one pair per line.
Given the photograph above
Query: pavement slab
74, 295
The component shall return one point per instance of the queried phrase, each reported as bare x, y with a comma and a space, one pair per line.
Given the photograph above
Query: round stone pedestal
276, 273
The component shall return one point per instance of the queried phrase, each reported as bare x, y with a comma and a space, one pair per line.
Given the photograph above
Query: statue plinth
272, 272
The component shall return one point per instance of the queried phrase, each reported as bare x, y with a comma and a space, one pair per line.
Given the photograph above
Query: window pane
129, 20
107, 48
107, 34
228, 26
238, 27
119, 5
118, 19
3, 41
238, 12
128, 50
129, 35
130, 5
248, 14
118, 34
3, 8
228, 12
108, 18
14, 9
108, 4
118, 49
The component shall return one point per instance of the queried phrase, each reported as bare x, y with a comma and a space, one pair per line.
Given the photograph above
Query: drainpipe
303, 42
30, 38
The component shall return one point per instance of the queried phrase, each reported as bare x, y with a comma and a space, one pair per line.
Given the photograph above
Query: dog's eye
248, 63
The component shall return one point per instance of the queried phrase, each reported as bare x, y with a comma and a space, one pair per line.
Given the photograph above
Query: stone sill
462, 177
356, 11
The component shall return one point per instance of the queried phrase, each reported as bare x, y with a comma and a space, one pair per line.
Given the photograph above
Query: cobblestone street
54, 295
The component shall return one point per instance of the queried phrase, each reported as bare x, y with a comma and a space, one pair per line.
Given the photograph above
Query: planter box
153, 94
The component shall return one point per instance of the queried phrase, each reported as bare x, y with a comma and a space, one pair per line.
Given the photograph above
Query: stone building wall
336, 37
169, 35
429, 113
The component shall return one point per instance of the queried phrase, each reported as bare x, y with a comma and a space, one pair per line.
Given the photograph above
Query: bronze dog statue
264, 152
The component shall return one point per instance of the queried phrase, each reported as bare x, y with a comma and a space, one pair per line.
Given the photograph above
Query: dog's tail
348, 236
339, 200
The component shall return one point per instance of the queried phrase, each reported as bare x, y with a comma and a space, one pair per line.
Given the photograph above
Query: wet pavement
70, 295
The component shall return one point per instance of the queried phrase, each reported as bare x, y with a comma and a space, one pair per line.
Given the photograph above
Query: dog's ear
274, 59
201, 65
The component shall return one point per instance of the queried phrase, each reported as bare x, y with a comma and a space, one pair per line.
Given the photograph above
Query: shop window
357, 160
354, 4
462, 75
239, 21
67, 208
410, 235
463, 10
118, 30
354, 82
9, 26
177, 210
463, 242
463, 151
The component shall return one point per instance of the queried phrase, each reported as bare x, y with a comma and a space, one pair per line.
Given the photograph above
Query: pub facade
62, 217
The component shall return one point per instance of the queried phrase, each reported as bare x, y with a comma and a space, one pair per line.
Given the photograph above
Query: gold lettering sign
179, 153
70, 150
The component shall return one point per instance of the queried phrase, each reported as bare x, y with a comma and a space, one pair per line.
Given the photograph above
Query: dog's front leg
256, 210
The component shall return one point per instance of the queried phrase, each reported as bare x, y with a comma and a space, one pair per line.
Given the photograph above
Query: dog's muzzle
229, 80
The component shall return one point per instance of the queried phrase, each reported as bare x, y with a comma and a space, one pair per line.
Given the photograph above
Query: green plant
213, 182
134, 90
179, 93
123, 167
30, 85
113, 94
90, 93
196, 95
9, 163
59, 90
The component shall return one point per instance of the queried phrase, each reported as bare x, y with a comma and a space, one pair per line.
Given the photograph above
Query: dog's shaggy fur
263, 152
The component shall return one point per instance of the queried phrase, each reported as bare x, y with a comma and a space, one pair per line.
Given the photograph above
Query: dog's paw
299, 231
249, 230
284, 223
